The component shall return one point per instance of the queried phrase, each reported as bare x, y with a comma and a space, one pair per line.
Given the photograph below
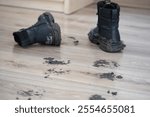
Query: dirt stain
96, 97
104, 63
113, 93
57, 71
53, 61
119, 77
25, 93
47, 76
29, 98
108, 92
75, 41
29, 93
109, 76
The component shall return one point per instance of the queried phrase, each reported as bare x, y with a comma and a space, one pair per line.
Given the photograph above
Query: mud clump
101, 63
107, 64
29, 99
119, 77
46, 76
115, 64
96, 97
108, 92
29, 94
55, 70
75, 41
25, 93
113, 93
110, 76
58, 72
53, 61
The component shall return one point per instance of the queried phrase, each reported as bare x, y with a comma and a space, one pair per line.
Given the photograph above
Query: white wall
133, 3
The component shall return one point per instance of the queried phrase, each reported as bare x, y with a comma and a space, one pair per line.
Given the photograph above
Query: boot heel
109, 46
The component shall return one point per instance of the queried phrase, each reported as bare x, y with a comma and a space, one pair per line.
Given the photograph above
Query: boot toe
94, 36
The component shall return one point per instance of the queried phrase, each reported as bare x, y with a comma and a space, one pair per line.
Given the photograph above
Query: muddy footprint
105, 63
110, 76
53, 61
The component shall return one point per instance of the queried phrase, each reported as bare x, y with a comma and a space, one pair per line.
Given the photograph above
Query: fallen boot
45, 31
106, 34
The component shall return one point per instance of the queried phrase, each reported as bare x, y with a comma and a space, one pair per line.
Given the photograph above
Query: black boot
45, 31
106, 34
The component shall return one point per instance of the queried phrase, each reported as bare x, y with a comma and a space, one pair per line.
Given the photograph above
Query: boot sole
106, 45
110, 47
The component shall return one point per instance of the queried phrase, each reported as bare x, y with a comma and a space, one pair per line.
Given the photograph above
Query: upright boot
106, 34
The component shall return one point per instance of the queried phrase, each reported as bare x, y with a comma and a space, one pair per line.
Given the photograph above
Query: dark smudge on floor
105, 63
55, 71
96, 97
114, 93
53, 61
109, 76
75, 41
29, 93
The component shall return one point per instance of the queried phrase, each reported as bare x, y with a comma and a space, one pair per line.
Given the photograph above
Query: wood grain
23, 70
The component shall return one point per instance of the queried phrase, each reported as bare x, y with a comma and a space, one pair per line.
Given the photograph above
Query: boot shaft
108, 10
108, 20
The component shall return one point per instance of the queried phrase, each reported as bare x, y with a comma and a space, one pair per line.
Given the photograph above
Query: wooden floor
24, 73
